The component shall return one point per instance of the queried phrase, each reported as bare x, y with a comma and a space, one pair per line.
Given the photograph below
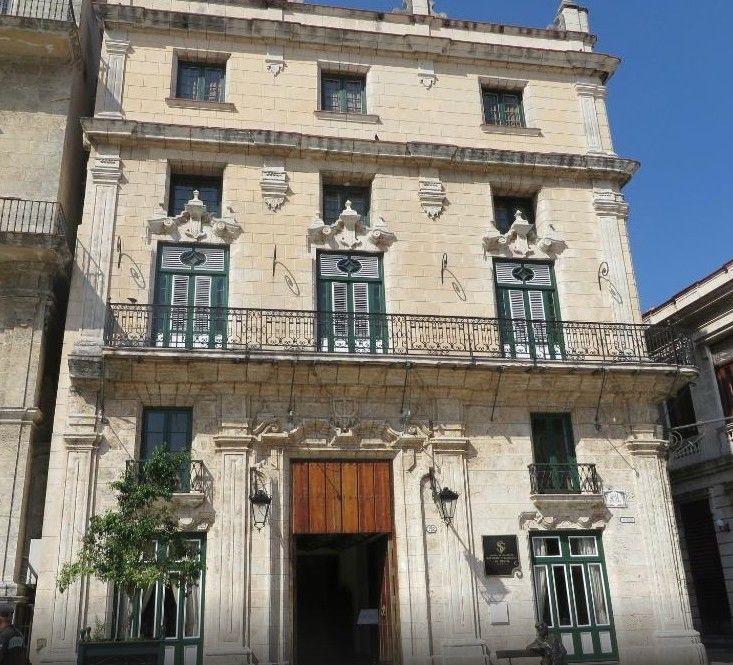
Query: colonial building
48, 74
700, 419
372, 270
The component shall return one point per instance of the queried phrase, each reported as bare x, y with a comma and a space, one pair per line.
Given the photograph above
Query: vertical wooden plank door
342, 497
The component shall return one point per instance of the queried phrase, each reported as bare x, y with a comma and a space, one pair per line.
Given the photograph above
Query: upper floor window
681, 413
335, 198
343, 93
503, 107
200, 81
183, 186
505, 210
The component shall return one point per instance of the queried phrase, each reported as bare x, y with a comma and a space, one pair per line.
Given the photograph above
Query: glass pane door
528, 310
571, 593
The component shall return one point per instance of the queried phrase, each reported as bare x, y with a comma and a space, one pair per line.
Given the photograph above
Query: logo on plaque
501, 555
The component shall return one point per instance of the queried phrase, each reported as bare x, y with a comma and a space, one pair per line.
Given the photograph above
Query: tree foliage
120, 545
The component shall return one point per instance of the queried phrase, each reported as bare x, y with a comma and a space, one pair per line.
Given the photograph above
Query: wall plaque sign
501, 555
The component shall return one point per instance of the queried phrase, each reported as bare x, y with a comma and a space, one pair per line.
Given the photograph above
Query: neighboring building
373, 267
700, 419
48, 74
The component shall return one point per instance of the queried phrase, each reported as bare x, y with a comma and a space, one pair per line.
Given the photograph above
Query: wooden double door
343, 560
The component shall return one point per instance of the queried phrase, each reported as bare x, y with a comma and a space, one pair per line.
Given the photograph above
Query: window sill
348, 117
517, 131
184, 103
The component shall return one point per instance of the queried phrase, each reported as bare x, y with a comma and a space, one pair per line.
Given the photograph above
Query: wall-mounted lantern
445, 499
260, 501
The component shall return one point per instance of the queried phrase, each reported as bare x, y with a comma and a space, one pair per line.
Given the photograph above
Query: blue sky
671, 107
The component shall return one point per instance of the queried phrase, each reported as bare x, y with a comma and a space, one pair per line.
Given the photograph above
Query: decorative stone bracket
521, 240
275, 60
274, 184
195, 222
426, 73
347, 232
432, 196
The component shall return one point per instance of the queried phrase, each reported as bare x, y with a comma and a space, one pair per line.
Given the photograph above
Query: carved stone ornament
274, 184
275, 60
580, 518
521, 240
347, 232
426, 73
194, 223
432, 196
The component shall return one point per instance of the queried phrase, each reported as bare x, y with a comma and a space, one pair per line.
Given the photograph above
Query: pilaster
591, 97
677, 641
117, 48
93, 260
613, 274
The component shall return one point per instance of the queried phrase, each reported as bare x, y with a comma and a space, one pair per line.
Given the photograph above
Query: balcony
31, 227
194, 483
562, 485
41, 28
271, 332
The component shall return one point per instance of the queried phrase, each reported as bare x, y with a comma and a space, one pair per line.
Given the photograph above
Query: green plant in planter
119, 546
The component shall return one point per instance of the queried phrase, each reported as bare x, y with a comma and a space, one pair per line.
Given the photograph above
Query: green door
351, 303
571, 593
172, 612
528, 310
553, 448
190, 297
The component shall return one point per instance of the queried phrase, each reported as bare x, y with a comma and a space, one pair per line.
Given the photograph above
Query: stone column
81, 444
93, 258
677, 642
269, 561
16, 433
592, 105
226, 602
614, 273
410, 470
117, 47
453, 562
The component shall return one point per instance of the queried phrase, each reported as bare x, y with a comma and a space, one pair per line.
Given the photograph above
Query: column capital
107, 168
608, 202
591, 90
233, 443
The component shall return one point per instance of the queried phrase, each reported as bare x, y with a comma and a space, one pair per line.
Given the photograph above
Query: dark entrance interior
706, 567
343, 599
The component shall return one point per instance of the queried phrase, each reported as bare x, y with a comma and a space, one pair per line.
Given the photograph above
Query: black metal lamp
445, 498
260, 501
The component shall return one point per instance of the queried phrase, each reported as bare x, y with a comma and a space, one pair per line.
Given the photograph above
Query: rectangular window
182, 188
343, 93
528, 310
172, 611
505, 211
203, 82
571, 594
165, 428
681, 412
335, 198
503, 107
724, 375
191, 297
555, 469
351, 303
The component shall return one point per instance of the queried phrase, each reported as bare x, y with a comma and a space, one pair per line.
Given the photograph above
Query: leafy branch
119, 546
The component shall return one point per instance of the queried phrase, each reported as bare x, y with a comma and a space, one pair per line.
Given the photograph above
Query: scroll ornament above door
521, 240
348, 232
194, 223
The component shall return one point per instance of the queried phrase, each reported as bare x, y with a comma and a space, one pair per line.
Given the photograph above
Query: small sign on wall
501, 555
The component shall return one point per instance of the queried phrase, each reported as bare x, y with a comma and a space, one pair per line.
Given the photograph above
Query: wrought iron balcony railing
24, 216
52, 10
192, 477
564, 479
138, 326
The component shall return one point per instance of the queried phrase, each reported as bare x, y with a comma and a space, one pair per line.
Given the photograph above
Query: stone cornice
291, 32
108, 131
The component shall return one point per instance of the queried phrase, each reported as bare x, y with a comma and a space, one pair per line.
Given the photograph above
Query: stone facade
44, 49
267, 389
701, 468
